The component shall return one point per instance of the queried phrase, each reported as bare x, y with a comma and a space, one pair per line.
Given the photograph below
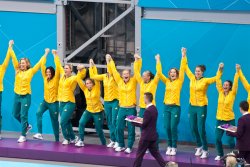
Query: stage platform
90, 154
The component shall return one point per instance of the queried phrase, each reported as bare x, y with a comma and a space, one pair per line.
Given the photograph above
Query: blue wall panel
241, 5
207, 43
32, 34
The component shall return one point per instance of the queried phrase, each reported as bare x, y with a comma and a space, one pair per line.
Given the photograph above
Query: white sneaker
79, 143
65, 142
173, 151
168, 151
116, 145
111, 144
204, 154
21, 139
217, 158
128, 151
119, 149
74, 141
198, 151
38, 136
147, 151
29, 127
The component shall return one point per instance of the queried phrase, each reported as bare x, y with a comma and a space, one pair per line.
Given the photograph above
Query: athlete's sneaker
65, 142
119, 149
38, 136
21, 139
204, 154
198, 151
79, 143
111, 144
74, 141
173, 151
128, 151
116, 145
168, 151
217, 158
29, 127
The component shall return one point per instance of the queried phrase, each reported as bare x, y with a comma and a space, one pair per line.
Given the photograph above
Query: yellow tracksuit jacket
3, 68
246, 85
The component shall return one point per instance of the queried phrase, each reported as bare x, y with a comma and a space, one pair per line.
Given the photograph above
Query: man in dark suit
149, 135
243, 132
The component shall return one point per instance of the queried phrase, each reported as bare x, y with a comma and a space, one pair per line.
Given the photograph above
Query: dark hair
202, 67
244, 105
52, 70
230, 83
149, 96
151, 75
89, 79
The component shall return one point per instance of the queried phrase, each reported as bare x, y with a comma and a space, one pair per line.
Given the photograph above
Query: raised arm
38, 64
236, 80
218, 78
113, 70
183, 64
188, 71
8, 55
13, 55
43, 63
59, 68
137, 68
243, 79
159, 69
93, 73
80, 75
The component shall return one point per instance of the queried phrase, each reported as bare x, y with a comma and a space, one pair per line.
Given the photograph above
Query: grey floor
91, 138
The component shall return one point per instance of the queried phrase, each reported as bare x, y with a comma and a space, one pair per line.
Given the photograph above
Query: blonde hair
176, 70
27, 63
231, 161
70, 66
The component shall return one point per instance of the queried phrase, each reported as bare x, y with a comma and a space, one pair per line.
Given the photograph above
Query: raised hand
157, 57
136, 56
54, 52
11, 43
47, 51
108, 58
183, 52
237, 67
80, 67
221, 66
91, 62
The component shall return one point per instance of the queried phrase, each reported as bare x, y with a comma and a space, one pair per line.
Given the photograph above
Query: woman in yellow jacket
66, 99
22, 89
111, 103
3, 68
198, 107
148, 83
225, 113
51, 78
127, 102
172, 109
245, 84
94, 109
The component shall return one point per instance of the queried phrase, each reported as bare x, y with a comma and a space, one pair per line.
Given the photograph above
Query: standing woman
111, 103
66, 99
198, 107
51, 80
94, 110
148, 83
127, 103
245, 84
225, 113
3, 68
22, 89
172, 109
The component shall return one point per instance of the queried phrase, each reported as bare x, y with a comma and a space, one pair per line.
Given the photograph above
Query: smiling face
146, 76
24, 64
173, 74
227, 86
125, 75
89, 84
67, 70
48, 74
198, 73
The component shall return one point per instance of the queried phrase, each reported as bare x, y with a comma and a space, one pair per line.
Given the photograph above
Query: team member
198, 107
172, 109
148, 83
245, 84
51, 80
94, 108
111, 103
242, 135
22, 89
66, 99
225, 114
3, 68
127, 103
149, 135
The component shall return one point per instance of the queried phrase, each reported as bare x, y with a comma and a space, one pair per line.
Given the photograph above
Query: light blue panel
32, 33
207, 43
15, 164
241, 5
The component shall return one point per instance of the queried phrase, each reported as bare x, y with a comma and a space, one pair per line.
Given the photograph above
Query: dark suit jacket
148, 126
243, 133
